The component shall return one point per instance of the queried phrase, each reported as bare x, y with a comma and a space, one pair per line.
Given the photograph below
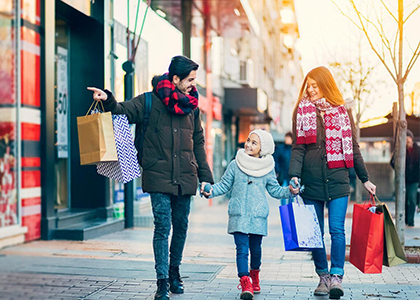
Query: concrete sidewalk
120, 266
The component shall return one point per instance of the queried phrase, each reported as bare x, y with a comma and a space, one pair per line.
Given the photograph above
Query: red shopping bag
367, 238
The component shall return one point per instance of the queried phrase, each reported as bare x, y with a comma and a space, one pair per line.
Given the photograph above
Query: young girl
248, 176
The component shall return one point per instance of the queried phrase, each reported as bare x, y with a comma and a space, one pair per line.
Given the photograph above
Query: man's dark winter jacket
173, 147
309, 162
412, 164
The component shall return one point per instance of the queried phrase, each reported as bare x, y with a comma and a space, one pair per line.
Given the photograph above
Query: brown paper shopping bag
393, 251
96, 137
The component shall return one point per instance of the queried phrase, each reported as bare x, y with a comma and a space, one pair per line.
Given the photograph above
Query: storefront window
8, 197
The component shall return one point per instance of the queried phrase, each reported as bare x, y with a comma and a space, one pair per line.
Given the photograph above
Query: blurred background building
51, 50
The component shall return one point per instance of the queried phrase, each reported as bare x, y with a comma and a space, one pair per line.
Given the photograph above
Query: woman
324, 148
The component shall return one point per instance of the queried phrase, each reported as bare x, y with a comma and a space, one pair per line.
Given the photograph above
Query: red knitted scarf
176, 102
339, 143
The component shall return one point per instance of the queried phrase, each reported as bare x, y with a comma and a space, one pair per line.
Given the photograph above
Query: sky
326, 35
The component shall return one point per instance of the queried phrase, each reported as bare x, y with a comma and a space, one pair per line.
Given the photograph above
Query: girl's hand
205, 190
98, 94
370, 187
292, 189
207, 195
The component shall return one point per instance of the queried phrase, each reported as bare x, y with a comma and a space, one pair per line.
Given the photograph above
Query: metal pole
128, 67
186, 13
209, 90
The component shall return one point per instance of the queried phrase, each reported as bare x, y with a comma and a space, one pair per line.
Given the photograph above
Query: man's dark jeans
169, 209
410, 202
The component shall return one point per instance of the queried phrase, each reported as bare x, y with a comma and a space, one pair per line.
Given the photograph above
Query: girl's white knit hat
266, 140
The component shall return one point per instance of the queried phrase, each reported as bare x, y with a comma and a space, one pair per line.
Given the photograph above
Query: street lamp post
128, 67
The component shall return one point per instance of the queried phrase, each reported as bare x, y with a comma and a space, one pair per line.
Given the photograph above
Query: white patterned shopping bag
127, 167
301, 231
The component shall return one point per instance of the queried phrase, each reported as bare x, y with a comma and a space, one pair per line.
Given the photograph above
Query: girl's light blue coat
248, 207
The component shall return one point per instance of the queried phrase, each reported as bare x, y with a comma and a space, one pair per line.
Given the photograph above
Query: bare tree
389, 50
355, 77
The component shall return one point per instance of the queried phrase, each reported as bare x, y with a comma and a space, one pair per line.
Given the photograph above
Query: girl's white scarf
254, 166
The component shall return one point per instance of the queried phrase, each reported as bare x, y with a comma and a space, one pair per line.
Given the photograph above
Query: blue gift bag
127, 167
301, 231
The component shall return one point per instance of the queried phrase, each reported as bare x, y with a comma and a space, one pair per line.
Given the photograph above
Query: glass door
62, 161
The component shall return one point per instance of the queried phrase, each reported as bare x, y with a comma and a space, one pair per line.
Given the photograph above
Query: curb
412, 258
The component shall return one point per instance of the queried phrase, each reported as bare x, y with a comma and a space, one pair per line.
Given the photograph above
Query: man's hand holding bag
96, 137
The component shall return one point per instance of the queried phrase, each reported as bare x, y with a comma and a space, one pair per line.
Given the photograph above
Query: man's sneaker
336, 291
246, 285
323, 286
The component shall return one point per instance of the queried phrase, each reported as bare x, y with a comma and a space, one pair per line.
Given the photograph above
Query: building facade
50, 59
20, 110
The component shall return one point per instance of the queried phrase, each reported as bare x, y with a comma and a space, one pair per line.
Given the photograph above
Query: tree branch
395, 47
414, 10
370, 41
347, 16
388, 46
354, 76
413, 60
386, 7
376, 27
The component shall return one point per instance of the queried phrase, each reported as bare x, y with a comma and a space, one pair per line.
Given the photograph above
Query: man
173, 157
412, 177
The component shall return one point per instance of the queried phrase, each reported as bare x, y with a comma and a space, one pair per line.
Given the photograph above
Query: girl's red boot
255, 277
246, 285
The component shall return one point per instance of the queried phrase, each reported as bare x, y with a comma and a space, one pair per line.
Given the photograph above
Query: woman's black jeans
169, 210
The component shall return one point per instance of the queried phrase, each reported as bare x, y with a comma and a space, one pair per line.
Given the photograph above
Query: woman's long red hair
326, 84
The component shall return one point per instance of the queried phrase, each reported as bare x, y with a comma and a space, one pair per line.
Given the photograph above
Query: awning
386, 130
246, 101
226, 16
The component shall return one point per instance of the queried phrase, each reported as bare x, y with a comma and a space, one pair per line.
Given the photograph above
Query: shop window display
8, 199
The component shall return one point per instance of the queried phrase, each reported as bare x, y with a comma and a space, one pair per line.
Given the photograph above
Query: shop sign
62, 104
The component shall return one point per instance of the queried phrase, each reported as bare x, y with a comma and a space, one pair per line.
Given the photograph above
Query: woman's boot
336, 291
323, 286
255, 277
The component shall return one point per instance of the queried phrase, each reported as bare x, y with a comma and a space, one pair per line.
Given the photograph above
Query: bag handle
371, 200
95, 105
297, 199
377, 199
